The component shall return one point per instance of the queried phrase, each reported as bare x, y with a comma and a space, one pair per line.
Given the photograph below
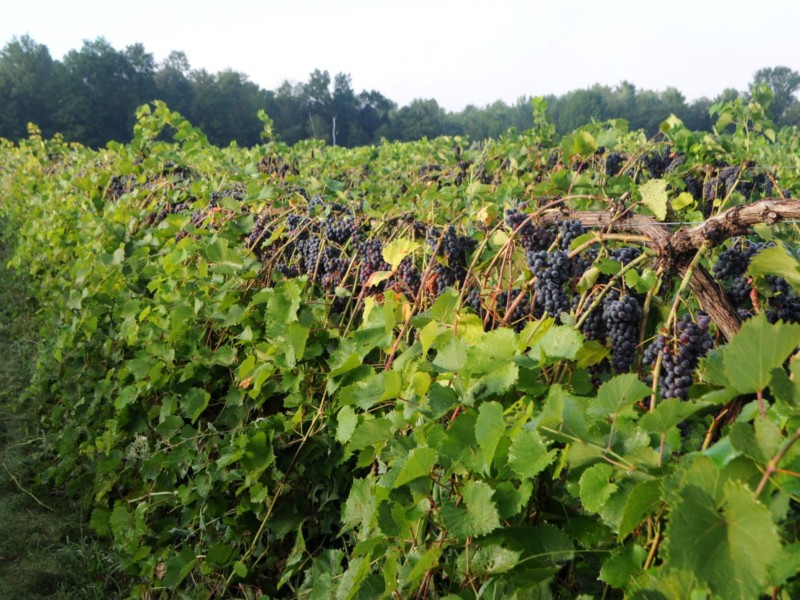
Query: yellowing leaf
395, 251
654, 197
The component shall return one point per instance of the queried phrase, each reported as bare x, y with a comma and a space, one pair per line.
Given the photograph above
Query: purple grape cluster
552, 271
532, 237
680, 356
622, 320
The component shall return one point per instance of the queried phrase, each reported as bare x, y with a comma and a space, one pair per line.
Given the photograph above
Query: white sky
457, 51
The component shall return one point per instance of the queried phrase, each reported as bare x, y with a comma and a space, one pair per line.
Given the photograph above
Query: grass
46, 547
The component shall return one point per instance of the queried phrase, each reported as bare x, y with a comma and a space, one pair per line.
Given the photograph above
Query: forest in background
90, 96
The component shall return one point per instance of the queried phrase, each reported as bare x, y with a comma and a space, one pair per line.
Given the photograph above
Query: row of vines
528, 368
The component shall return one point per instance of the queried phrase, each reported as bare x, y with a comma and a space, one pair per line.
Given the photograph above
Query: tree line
90, 97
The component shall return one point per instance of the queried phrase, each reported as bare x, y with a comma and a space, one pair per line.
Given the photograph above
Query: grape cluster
370, 254
473, 300
679, 356
552, 272
734, 261
622, 320
119, 185
694, 186
625, 255
440, 278
657, 162
613, 163
340, 230
732, 265
408, 277
594, 325
570, 230
453, 246
532, 237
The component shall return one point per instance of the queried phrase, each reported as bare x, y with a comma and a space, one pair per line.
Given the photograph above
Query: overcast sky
457, 51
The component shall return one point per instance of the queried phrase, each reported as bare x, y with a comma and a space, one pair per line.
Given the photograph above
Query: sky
457, 52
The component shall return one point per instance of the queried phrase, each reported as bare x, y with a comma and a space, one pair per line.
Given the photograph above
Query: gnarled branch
675, 249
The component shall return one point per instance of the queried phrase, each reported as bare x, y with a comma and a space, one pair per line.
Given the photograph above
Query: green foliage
234, 432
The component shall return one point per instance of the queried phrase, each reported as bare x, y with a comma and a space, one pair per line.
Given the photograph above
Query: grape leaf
617, 396
729, 549
194, 402
528, 455
643, 500
654, 197
623, 565
418, 464
493, 559
668, 414
776, 260
479, 516
360, 505
178, 567
559, 342
596, 487
489, 429
757, 349
395, 251
583, 143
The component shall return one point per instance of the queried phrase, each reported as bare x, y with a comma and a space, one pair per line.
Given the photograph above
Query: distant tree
101, 89
288, 113
421, 118
374, 110
28, 88
226, 106
318, 104
577, 108
172, 83
784, 82
791, 116
727, 95
345, 110
696, 116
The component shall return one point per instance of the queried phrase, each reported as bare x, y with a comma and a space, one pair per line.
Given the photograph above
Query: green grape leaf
528, 455
776, 260
418, 464
668, 414
428, 560
452, 357
758, 348
729, 549
643, 500
194, 402
511, 498
596, 487
621, 568
360, 505
617, 396
221, 554
346, 421
493, 559
654, 197
258, 453
489, 429
284, 302
583, 143
178, 567
478, 517
559, 341
683, 200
